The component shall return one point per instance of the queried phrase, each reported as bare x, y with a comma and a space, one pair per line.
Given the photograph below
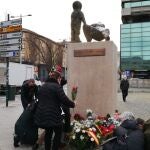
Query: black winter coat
147, 134
135, 140
51, 96
28, 93
124, 85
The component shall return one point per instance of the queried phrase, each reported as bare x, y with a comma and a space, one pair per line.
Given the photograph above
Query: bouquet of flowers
84, 134
89, 133
74, 92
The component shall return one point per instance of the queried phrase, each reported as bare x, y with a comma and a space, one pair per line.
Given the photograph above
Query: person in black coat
124, 86
28, 92
129, 135
135, 139
48, 116
147, 134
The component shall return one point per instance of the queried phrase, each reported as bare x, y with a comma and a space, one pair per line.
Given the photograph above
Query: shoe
16, 141
62, 145
35, 146
16, 145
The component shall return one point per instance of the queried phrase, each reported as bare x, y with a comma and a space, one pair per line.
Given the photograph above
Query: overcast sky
51, 18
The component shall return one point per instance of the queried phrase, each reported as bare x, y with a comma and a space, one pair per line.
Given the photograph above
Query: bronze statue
96, 31
77, 17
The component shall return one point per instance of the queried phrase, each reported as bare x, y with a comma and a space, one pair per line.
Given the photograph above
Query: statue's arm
83, 18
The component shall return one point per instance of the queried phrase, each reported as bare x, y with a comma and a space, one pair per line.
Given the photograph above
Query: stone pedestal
93, 68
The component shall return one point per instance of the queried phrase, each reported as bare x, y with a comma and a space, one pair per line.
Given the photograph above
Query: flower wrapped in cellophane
74, 92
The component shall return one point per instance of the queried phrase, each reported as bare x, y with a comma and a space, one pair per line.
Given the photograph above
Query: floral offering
74, 92
91, 132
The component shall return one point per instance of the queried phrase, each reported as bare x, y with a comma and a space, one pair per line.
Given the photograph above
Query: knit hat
126, 116
58, 69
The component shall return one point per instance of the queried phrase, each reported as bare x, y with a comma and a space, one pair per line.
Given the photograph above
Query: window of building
124, 26
136, 44
125, 30
146, 48
146, 24
125, 49
145, 33
125, 40
146, 58
125, 44
146, 53
125, 35
146, 43
136, 39
146, 38
136, 4
145, 29
145, 3
136, 29
136, 53
123, 54
136, 34
136, 25
136, 49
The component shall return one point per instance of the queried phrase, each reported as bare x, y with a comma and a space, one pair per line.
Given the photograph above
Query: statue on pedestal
77, 17
96, 31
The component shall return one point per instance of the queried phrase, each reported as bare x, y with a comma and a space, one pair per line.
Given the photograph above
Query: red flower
106, 130
78, 117
74, 92
101, 117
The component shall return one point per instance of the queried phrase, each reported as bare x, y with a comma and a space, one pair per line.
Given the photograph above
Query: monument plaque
89, 52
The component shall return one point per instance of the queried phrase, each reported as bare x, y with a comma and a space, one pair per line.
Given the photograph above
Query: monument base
93, 68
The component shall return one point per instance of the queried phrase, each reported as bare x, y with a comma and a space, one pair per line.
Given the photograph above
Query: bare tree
42, 50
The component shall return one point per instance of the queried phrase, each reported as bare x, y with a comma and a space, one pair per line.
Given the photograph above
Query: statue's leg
77, 33
72, 35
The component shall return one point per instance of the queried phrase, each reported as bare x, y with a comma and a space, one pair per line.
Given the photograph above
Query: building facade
135, 38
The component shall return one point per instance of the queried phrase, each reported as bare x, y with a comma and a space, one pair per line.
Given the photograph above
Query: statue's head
77, 5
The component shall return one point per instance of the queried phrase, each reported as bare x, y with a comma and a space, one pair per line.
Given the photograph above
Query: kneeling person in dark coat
28, 92
129, 135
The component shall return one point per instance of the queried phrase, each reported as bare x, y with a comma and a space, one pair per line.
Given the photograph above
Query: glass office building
135, 37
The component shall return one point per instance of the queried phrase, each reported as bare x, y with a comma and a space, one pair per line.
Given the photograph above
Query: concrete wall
139, 83
95, 76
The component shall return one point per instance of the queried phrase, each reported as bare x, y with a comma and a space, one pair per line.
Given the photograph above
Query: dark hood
129, 124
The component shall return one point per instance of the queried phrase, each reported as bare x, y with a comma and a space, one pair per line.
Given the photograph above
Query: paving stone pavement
137, 102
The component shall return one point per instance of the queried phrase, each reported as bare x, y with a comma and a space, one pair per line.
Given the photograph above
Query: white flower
73, 137
77, 130
89, 111
92, 139
81, 137
90, 129
93, 129
83, 131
